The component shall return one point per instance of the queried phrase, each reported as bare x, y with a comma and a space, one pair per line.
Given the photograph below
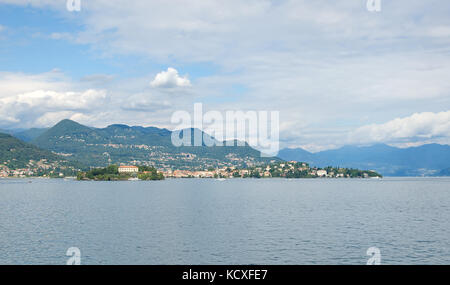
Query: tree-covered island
112, 173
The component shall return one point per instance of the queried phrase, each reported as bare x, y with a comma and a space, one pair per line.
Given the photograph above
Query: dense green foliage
151, 174
111, 173
303, 170
17, 154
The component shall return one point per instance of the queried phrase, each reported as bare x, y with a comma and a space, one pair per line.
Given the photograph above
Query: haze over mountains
425, 160
25, 135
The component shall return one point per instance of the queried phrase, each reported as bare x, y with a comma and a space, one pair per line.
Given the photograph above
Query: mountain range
425, 160
120, 144
139, 145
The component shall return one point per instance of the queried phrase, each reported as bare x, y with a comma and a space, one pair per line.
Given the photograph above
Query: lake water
237, 221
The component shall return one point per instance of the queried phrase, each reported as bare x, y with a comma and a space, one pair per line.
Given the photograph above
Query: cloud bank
331, 68
417, 127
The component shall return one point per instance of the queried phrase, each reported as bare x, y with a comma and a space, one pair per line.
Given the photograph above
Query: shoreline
234, 178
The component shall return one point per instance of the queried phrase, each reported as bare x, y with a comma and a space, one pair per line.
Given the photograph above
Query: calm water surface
205, 221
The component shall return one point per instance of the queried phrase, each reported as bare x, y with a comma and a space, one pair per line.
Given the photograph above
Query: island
116, 173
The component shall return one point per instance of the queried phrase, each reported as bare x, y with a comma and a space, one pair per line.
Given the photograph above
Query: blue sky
337, 73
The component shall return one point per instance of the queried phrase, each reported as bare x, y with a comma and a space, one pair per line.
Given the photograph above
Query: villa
128, 169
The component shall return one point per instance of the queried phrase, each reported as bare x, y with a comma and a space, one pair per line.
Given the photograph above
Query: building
128, 169
321, 173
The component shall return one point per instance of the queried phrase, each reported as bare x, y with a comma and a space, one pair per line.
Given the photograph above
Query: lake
237, 221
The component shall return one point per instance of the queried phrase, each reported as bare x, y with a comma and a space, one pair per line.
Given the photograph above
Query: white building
128, 169
321, 173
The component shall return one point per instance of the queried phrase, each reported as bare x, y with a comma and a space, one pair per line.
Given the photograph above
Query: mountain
423, 160
140, 145
444, 172
16, 154
297, 154
28, 135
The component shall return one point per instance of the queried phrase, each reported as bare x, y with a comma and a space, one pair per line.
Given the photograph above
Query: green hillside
139, 145
19, 153
16, 154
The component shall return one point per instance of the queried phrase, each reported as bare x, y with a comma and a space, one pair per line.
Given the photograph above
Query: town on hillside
40, 168
291, 169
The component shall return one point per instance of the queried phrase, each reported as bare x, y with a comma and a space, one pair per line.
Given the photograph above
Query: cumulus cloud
417, 127
170, 79
42, 107
36, 100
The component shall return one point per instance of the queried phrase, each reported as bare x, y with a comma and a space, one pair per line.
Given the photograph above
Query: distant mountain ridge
26, 135
139, 145
425, 160
444, 172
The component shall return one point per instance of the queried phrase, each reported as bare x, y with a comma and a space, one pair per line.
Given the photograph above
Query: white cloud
41, 107
327, 66
232, 30
14, 83
35, 100
417, 127
41, 100
170, 79
53, 100
145, 103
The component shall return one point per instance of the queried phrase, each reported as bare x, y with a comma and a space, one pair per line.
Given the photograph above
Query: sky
337, 73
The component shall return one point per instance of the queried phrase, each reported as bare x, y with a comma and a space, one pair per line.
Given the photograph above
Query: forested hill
19, 153
140, 145
16, 154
